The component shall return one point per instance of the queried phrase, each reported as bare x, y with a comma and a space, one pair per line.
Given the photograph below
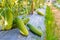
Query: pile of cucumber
20, 23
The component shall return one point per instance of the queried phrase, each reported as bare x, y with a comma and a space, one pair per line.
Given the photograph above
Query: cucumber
22, 28
40, 13
35, 30
9, 21
8, 18
26, 20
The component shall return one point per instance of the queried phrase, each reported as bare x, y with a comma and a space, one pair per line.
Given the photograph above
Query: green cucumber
40, 13
26, 20
9, 20
35, 30
8, 17
22, 28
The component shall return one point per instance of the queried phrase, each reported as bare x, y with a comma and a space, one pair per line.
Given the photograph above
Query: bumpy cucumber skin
26, 20
35, 30
39, 13
22, 28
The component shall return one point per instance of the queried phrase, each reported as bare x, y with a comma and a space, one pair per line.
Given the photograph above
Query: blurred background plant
58, 1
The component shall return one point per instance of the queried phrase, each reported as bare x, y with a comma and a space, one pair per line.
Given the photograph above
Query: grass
50, 25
